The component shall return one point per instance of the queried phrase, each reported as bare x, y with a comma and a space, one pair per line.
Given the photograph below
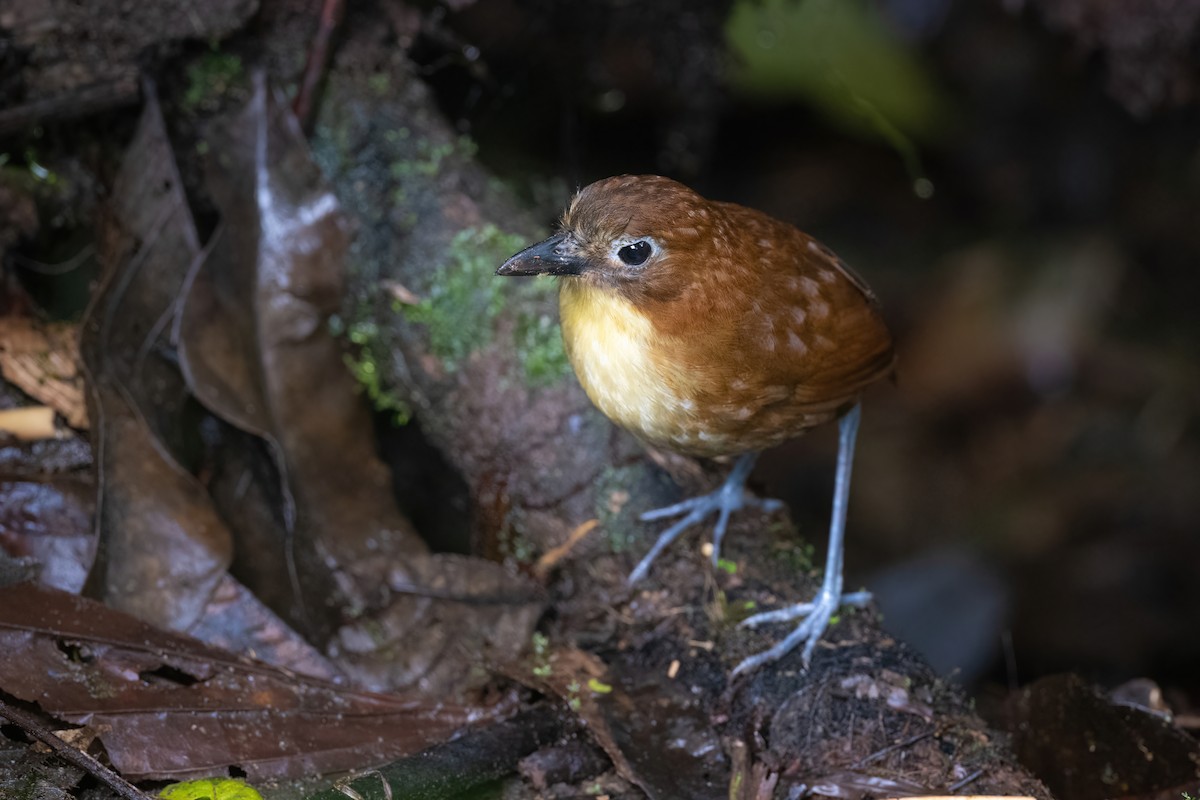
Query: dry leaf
29, 424
42, 360
167, 706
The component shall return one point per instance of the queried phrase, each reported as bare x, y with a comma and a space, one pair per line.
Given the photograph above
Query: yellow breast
611, 346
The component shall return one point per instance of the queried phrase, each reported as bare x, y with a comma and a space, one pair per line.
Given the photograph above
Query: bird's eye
635, 254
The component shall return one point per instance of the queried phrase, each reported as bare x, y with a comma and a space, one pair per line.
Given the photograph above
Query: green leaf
599, 687
841, 57
210, 789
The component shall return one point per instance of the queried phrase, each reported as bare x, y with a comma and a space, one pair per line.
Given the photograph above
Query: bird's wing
824, 335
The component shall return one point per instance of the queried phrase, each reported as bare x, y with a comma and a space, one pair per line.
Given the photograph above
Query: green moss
375, 631
467, 146
573, 700
365, 368
397, 135
516, 545
796, 556
541, 656
210, 77
380, 83
333, 145
620, 525
425, 164
430, 155
465, 296
540, 349
31, 787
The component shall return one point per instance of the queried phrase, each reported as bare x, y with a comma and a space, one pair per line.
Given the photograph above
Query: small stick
331, 16
73, 756
878, 754
556, 554
974, 776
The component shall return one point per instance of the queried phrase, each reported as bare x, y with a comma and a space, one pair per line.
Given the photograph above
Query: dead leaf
47, 499
161, 548
450, 619
890, 687
42, 360
28, 424
237, 621
859, 785
167, 706
256, 350
312, 503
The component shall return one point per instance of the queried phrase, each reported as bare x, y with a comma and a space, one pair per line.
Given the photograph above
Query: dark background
1019, 182
1025, 498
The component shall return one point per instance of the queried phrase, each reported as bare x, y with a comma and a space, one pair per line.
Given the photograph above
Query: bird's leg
829, 597
730, 497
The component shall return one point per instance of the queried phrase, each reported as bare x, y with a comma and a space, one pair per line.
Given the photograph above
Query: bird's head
632, 233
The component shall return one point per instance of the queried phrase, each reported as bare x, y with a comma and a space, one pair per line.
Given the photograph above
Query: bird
711, 329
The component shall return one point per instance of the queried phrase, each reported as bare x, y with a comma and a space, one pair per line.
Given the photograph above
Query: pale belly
607, 341
720, 413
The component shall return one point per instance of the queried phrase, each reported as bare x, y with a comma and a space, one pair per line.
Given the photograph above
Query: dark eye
635, 254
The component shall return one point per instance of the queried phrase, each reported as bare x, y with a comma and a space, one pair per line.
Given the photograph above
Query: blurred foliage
540, 347
364, 366
464, 299
841, 57
208, 78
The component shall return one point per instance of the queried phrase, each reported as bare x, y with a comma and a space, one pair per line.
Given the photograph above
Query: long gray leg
817, 613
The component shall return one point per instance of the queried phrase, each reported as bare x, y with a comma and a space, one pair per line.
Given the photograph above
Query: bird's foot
731, 497
816, 619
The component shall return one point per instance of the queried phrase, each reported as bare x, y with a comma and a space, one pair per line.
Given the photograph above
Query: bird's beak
554, 256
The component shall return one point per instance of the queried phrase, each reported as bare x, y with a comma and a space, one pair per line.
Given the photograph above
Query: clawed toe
798, 610
730, 497
816, 616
